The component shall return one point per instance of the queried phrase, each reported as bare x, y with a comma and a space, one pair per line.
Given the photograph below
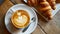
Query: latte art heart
21, 19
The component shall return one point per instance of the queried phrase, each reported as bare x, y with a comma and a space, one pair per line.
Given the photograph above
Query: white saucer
14, 30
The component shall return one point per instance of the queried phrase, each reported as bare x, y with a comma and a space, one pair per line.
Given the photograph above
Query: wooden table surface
50, 27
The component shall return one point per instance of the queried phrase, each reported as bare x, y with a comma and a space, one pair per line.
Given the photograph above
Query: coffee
20, 18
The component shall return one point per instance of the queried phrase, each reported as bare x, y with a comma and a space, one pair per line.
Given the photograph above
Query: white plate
13, 30
56, 10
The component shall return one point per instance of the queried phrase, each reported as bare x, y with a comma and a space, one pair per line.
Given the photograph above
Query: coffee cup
20, 19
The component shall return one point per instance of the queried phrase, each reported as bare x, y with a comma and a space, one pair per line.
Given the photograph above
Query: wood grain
3, 9
50, 27
57, 19
38, 30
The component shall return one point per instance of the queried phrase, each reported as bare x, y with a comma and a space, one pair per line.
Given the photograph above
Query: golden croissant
43, 6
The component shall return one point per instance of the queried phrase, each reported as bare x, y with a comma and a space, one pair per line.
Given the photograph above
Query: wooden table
51, 27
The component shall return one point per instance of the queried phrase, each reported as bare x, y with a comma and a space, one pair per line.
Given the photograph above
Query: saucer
14, 30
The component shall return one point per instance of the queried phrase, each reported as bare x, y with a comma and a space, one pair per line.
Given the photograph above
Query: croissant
43, 7
52, 4
32, 2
